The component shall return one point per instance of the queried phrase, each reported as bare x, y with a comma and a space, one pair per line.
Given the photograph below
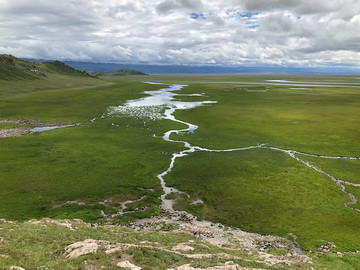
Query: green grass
258, 190
268, 192
8, 126
344, 169
42, 246
333, 262
34, 246
89, 163
323, 121
262, 190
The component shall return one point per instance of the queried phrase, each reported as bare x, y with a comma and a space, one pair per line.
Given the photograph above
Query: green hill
118, 72
12, 68
18, 76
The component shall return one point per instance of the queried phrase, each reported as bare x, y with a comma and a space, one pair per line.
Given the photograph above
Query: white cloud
229, 32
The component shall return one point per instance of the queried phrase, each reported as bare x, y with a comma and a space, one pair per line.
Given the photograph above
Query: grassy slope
41, 246
19, 77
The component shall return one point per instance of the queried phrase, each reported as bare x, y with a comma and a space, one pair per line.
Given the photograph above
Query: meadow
88, 163
267, 191
118, 158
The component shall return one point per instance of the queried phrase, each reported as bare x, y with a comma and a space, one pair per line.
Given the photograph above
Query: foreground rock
219, 235
128, 265
229, 240
171, 241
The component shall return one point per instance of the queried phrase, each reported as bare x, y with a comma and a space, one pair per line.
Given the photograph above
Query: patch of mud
14, 132
21, 131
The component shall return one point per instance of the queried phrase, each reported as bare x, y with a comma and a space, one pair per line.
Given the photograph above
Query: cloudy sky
226, 32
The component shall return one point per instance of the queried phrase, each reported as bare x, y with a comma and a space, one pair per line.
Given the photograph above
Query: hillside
12, 68
170, 241
18, 76
118, 72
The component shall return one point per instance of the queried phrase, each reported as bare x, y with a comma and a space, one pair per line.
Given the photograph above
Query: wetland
251, 152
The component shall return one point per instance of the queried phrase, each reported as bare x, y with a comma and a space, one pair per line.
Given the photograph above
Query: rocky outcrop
8, 59
128, 265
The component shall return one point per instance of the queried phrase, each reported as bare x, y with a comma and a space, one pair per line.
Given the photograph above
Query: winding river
153, 105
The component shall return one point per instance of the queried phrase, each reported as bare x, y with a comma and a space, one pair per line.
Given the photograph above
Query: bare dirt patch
14, 132
21, 131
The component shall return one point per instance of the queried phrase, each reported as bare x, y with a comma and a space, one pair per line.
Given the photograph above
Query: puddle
41, 129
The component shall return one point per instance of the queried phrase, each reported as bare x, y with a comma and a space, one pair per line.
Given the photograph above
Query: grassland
88, 163
260, 190
264, 190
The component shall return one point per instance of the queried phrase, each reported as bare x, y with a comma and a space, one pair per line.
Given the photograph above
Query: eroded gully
166, 97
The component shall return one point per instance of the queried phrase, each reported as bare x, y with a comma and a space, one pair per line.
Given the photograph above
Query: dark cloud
170, 5
296, 6
296, 32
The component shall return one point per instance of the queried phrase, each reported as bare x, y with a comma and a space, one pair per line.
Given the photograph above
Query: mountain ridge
118, 72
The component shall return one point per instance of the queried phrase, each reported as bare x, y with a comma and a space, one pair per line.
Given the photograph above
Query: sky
296, 33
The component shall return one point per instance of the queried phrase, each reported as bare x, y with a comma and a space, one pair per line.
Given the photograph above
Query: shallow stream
165, 98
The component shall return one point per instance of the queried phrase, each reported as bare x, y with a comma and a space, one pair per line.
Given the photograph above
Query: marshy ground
101, 164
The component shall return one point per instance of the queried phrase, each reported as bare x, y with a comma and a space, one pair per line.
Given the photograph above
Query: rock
16, 268
8, 59
183, 247
2, 220
128, 265
226, 266
84, 247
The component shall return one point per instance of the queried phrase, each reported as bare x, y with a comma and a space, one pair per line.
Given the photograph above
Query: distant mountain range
183, 69
214, 69
118, 72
